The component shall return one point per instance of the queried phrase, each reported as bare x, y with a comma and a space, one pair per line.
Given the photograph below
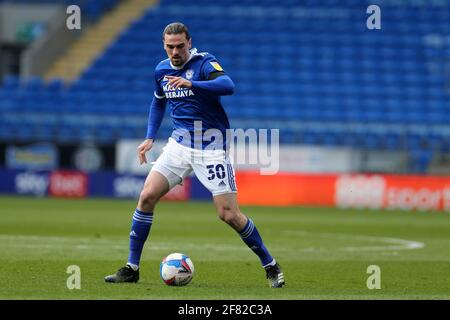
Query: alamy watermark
73, 21
374, 20
255, 148
374, 280
74, 280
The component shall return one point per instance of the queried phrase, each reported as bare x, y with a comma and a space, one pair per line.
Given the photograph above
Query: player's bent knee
227, 215
148, 198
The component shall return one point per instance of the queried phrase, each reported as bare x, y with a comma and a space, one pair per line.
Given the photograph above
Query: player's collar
193, 51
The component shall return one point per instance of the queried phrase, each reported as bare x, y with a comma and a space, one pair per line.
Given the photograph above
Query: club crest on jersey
189, 74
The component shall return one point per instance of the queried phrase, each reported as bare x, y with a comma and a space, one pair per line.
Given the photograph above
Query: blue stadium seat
11, 83
332, 72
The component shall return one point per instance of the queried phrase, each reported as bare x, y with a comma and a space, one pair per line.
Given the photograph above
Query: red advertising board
405, 192
285, 189
181, 192
73, 184
377, 191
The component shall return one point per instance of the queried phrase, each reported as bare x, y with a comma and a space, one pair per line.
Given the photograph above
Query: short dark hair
176, 28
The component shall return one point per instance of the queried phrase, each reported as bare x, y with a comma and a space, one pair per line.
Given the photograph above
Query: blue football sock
251, 237
140, 228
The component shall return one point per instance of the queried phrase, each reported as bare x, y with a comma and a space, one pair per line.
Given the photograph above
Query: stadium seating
92, 9
313, 65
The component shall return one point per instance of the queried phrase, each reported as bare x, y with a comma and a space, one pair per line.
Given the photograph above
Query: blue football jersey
189, 106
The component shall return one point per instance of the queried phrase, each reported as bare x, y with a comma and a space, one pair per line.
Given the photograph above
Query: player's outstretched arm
222, 85
155, 117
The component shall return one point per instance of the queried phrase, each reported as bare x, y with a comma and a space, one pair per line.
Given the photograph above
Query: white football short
212, 167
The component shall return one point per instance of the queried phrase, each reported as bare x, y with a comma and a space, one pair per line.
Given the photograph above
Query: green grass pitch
325, 253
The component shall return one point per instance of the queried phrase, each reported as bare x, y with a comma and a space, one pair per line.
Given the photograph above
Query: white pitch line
394, 243
40, 242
